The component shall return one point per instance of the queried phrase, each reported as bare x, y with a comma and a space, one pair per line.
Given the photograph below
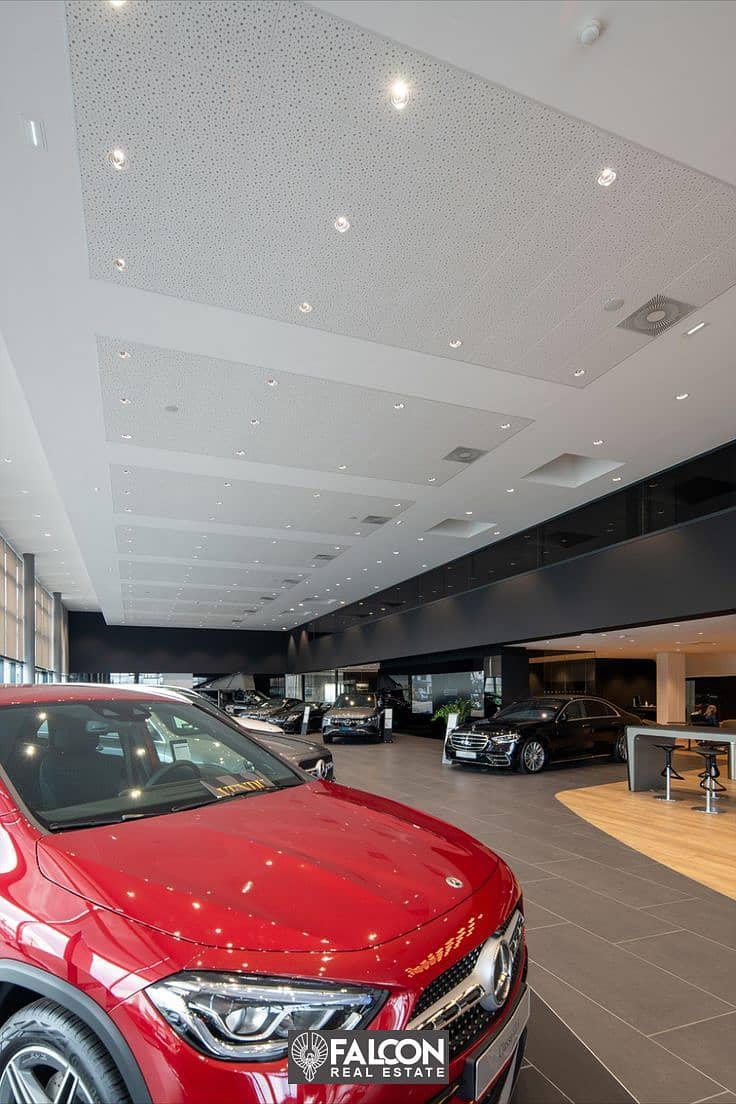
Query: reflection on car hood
493, 727
352, 713
316, 868
258, 728
294, 748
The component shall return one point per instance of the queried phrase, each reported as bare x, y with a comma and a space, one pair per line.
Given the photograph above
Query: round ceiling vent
656, 315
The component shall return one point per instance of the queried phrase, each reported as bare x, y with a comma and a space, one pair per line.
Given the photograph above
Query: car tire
326, 737
620, 748
69, 1049
533, 756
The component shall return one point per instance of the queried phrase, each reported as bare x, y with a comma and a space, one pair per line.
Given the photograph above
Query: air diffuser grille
656, 316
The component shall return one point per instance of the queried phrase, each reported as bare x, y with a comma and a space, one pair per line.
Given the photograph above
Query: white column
29, 617
670, 688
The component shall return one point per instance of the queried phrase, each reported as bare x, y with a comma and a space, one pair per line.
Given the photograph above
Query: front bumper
492, 755
352, 728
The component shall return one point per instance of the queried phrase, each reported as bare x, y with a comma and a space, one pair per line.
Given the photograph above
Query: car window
575, 711
356, 700
598, 709
109, 760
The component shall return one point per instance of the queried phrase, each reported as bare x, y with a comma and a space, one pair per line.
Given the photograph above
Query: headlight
294, 717
506, 738
244, 1018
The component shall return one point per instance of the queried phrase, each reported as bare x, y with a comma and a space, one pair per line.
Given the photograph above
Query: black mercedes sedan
528, 735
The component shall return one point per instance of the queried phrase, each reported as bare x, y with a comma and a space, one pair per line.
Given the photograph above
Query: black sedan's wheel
326, 737
47, 1056
532, 756
621, 748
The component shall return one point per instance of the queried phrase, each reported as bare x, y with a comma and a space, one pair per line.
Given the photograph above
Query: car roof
46, 692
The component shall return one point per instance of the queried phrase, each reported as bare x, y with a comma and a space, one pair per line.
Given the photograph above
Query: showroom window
44, 632
11, 613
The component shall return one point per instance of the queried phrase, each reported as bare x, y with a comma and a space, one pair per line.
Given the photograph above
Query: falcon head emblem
309, 1051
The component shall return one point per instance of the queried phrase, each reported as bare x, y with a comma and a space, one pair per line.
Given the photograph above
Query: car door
573, 735
606, 724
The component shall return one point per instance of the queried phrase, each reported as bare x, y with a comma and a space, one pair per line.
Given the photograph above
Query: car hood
315, 868
352, 714
493, 727
293, 747
258, 728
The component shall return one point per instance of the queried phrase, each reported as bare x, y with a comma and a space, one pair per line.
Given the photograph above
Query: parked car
353, 714
168, 921
312, 757
287, 713
531, 734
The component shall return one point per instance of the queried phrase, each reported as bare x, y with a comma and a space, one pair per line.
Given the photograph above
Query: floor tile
598, 914
630, 889
643, 995
709, 1045
538, 917
649, 1072
709, 965
533, 1087
712, 917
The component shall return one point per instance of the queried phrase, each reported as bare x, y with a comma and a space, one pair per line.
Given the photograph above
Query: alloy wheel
622, 751
40, 1075
533, 755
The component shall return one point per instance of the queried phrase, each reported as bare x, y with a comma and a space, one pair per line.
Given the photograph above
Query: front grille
469, 741
447, 981
467, 1028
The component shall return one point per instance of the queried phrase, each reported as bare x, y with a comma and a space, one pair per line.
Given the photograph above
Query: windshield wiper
91, 822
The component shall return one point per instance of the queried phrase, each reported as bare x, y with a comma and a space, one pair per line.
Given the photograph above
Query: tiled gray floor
534, 1088
608, 970
598, 914
647, 997
710, 1043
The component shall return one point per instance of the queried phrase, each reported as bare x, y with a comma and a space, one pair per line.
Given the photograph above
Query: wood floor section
701, 847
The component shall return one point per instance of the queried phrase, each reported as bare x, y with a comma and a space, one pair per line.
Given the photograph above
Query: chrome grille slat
468, 741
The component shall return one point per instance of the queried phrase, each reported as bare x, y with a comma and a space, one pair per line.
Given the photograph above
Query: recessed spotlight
240, 452
399, 94
510, 490
599, 441
606, 177
455, 343
255, 421
272, 382
505, 425
695, 328
305, 308
25, 492
315, 494
128, 509
342, 467
431, 478
227, 484
120, 264
579, 372
118, 158
123, 354
379, 561
356, 533
341, 224
616, 479
125, 402
127, 436
420, 539
399, 521
7, 459
398, 406
682, 395
468, 513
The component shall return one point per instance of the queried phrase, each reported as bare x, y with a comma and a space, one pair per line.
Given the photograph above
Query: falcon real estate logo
365, 1057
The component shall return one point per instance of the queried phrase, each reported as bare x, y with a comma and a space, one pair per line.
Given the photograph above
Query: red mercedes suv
174, 899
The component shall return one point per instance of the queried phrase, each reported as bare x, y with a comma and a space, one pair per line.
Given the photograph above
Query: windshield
356, 700
97, 762
535, 709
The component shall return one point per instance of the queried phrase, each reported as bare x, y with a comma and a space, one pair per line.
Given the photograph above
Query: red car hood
317, 867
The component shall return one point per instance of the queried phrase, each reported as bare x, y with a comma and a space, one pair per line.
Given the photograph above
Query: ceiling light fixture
590, 32
510, 490
455, 343
342, 467
616, 479
124, 354
305, 308
399, 94
118, 158
420, 539
398, 406
579, 372
399, 521
272, 382
127, 436
599, 441
240, 452
341, 224
505, 425
120, 264
315, 494
695, 328
255, 421
125, 402
468, 513
431, 478
606, 177
682, 395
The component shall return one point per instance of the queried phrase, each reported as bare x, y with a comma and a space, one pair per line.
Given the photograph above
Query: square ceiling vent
571, 470
656, 315
459, 527
464, 454
375, 519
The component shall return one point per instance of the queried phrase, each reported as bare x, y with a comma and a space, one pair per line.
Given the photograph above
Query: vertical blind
11, 603
44, 628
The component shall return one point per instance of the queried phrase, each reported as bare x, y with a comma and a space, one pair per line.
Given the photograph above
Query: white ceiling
475, 214
696, 637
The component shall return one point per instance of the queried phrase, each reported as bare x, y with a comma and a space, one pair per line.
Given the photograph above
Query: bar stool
709, 777
668, 773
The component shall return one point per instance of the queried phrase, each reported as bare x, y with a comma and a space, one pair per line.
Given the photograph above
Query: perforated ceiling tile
219, 576
156, 396
474, 212
258, 555
197, 498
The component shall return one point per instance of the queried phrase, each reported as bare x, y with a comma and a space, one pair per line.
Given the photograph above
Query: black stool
709, 778
668, 773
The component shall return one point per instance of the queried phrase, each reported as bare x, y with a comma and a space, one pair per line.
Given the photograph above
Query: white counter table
645, 761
